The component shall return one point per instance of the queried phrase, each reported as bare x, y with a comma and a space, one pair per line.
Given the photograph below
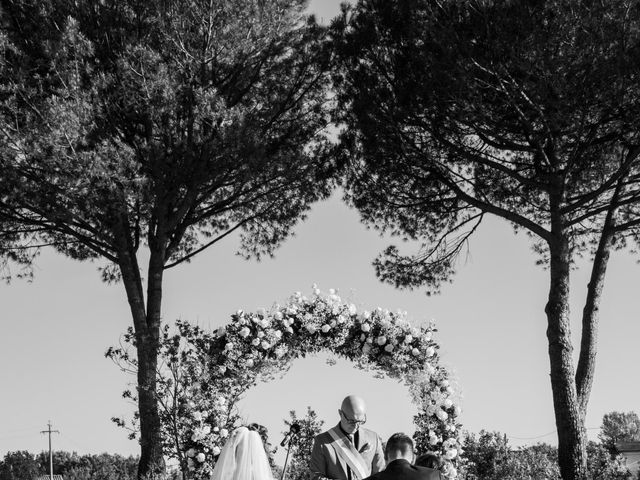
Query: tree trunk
572, 456
147, 329
591, 311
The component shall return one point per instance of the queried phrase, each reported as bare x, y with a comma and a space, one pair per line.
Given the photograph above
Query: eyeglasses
353, 421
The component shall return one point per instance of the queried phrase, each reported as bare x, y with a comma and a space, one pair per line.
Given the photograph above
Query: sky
491, 329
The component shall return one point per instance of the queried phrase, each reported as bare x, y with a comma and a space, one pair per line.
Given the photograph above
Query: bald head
353, 413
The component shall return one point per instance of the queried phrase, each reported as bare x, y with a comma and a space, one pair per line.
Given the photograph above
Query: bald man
347, 451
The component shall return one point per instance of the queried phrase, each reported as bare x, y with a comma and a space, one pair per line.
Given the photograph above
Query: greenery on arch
203, 374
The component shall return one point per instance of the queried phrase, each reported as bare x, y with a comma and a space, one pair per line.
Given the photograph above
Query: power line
546, 434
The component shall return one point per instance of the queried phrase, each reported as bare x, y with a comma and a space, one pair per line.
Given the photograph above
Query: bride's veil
243, 458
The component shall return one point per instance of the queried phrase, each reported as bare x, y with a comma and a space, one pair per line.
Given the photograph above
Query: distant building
631, 451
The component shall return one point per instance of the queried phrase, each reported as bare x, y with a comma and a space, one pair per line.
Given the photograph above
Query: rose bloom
442, 415
191, 452
255, 342
215, 450
250, 363
365, 327
200, 457
311, 329
325, 328
430, 351
278, 316
352, 309
389, 348
450, 454
382, 340
278, 334
244, 333
408, 339
415, 352
265, 345
341, 319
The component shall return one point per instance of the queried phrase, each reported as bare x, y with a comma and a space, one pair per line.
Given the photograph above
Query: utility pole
49, 431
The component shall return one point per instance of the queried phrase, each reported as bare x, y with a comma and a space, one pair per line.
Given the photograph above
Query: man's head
399, 446
353, 413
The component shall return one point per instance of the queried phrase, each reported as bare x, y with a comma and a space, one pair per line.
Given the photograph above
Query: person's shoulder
369, 433
427, 473
323, 437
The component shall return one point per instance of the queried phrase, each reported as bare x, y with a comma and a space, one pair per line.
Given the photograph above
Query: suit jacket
325, 461
403, 470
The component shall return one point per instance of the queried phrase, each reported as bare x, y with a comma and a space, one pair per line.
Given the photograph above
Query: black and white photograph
319, 239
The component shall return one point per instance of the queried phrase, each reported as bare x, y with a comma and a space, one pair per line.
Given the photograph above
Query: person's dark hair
399, 442
430, 460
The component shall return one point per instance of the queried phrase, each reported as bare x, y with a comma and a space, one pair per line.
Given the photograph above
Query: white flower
363, 337
191, 452
415, 352
216, 429
197, 416
325, 328
447, 403
224, 432
444, 382
265, 345
255, 342
369, 340
278, 334
365, 327
433, 440
352, 309
430, 351
311, 329
215, 450
278, 316
250, 363
442, 415
206, 430
431, 410
451, 454
389, 348
222, 369
190, 464
280, 351
239, 312
316, 291
200, 457
289, 330
341, 319
244, 333
228, 346
428, 336
382, 340
408, 339
260, 334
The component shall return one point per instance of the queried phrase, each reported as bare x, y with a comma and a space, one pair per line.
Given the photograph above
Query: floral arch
205, 374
